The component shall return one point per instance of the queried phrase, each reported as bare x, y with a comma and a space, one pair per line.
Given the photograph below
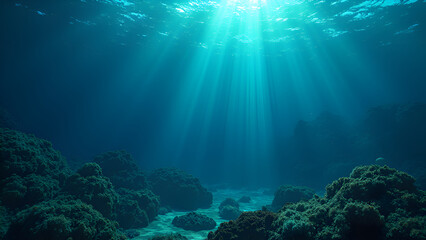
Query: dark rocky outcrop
136, 208
290, 194
137, 205
120, 167
194, 221
89, 185
4, 221
31, 171
248, 226
179, 190
229, 209
62, 219
373, 203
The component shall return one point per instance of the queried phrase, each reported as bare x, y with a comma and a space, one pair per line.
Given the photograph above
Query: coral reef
373, 203
171, 236
89, 185
244, 199
194, 221
31, 170
121, 169
179, 190
229, 209
290, 194
137, 205
62, 219
248, 226
4, 221
136, 208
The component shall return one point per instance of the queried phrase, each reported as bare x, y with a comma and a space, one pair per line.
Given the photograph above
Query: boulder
31, 171
194, 221
290, 194
179, 190
62, 218
229, 209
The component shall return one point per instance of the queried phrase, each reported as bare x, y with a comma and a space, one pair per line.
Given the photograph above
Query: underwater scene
213, 119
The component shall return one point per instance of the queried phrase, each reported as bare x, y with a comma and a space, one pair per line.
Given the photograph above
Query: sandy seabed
163, 223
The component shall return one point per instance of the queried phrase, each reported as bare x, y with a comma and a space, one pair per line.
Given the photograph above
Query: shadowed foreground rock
248, 226
121, 168
179, 190
290, 194
373, 203
194, 221
62, 219
229, 209
31, 171
89, 185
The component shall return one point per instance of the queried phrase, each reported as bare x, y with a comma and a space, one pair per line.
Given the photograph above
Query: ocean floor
163, 223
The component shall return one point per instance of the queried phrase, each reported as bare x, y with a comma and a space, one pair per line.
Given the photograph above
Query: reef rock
62, 219
244, 199
89, 185
194, 221
30, 169
4, 221
229, 209
121, 169
290, 194
179, 190
136, 208
374, 202
248, 226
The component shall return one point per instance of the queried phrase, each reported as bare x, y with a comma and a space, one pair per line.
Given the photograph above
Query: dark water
247, 93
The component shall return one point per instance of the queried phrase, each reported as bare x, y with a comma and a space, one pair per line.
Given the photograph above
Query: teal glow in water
209, 86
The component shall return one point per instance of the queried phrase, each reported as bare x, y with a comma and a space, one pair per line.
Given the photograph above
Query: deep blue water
216, 87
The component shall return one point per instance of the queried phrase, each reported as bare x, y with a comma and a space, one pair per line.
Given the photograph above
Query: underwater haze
212, 87
154, 109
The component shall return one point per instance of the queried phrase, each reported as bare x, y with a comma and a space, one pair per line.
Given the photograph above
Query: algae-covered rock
30, 169
4, 221
136, 208
194, 221
89, 185
371, 204
229, 209
290, 194
248, 226
62, 219
121, 169
179, 190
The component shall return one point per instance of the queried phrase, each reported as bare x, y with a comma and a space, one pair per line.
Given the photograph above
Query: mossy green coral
62, 218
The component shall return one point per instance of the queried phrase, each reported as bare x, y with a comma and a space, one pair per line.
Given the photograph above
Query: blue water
216, 88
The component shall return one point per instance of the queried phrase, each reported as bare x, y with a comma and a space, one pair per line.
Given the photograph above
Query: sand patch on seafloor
163, 223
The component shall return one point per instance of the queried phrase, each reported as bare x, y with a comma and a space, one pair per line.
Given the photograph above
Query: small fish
380, 160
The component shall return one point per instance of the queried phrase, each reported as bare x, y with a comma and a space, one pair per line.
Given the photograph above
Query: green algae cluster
41, 198
374, 202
